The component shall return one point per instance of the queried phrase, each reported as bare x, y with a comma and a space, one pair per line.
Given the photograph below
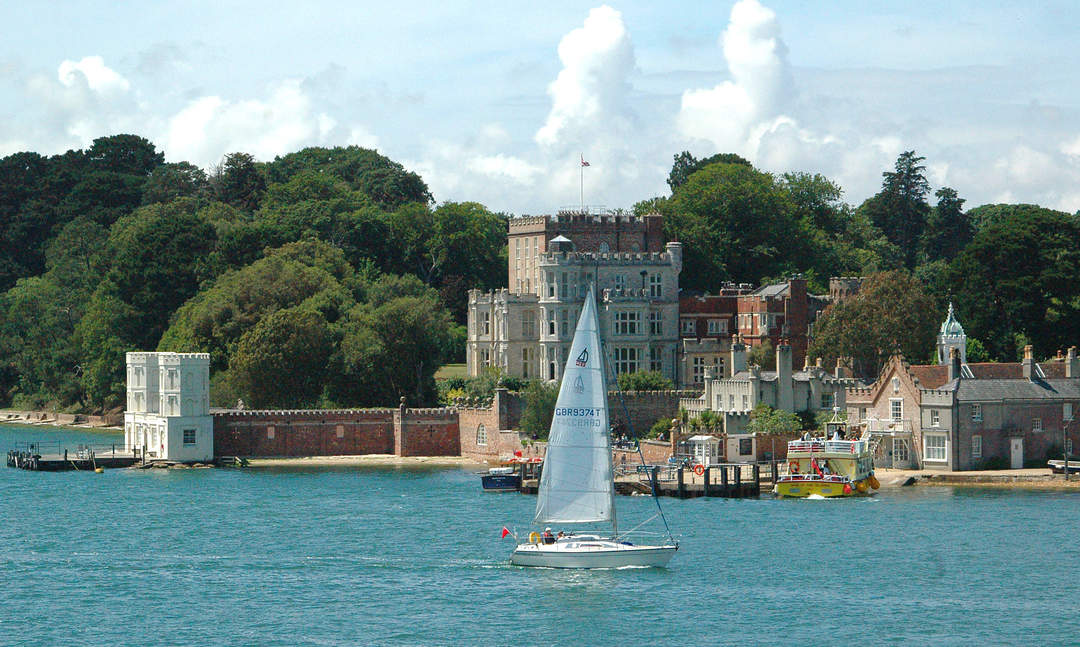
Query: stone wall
426, 432
645, 408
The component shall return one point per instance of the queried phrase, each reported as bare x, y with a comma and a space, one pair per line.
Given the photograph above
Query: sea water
413, 556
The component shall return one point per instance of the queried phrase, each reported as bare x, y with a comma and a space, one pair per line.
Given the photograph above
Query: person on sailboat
547, 537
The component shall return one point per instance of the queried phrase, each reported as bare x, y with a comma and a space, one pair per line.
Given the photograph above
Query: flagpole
581, 170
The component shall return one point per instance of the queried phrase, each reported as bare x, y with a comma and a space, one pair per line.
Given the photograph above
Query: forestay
576, 485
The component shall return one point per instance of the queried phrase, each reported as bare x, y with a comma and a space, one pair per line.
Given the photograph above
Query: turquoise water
413, 556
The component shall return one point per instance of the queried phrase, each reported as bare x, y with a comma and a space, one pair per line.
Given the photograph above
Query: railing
832, 446
79, 451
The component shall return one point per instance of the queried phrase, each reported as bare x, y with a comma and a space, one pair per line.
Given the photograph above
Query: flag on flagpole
583, 162
505, 532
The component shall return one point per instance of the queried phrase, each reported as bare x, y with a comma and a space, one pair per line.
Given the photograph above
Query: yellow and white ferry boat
828, 468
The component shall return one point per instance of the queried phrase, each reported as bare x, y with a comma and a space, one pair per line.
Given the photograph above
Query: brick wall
426, 432
645, 408
304, 433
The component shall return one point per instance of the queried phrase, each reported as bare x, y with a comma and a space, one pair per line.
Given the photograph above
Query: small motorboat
500, 479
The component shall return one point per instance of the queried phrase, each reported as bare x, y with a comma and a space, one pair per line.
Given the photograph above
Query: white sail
577, 483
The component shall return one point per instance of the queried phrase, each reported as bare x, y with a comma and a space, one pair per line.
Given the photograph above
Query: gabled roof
933, 376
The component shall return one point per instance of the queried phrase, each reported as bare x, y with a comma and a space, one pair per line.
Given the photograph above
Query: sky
498, 102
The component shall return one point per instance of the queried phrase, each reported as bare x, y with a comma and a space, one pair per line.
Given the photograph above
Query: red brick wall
427, 432
304, 433
646, 407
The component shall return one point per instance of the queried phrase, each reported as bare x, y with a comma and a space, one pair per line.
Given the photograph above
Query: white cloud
589, 96
92, 71
736, 114
285, 121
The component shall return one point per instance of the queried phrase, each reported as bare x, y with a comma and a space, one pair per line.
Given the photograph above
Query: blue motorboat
501, 479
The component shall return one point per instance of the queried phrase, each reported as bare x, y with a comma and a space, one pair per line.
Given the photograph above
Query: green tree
283, 360
540, 399
686, 165
168, 182
125, 154
238, 182
644, 381
1018, 277
766, 420
764, 355
900, 208
948, 229
735, 222
383, 180
890, 313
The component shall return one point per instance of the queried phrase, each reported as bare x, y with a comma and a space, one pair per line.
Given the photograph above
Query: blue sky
494, 102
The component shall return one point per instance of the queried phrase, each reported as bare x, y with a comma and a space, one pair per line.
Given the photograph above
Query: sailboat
577, 484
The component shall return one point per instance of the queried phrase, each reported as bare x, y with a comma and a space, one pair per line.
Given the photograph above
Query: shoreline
381, 460
1022, 479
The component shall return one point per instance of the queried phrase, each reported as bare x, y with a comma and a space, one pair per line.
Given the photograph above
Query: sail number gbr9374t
580, 416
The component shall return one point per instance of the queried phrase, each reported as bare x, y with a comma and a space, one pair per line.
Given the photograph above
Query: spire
951, 335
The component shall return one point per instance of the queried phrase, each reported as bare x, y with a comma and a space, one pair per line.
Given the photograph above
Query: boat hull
500, 482
804, 488
604, 554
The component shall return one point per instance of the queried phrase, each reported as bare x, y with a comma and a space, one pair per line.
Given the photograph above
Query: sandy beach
365, 459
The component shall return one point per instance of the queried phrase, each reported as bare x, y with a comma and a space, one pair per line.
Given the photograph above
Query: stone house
959, 416
167, 415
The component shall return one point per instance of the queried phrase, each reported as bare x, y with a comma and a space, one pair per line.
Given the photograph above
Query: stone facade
601, 232
168, 406
733, 398
528, 335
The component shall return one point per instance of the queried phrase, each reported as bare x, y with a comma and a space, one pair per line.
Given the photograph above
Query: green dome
951, 327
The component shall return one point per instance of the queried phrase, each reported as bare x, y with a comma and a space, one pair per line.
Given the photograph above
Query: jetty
49, 457
723, 480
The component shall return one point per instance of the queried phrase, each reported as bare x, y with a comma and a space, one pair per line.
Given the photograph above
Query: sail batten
576, 484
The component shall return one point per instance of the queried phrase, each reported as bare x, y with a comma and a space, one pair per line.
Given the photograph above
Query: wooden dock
724, 480
80, 458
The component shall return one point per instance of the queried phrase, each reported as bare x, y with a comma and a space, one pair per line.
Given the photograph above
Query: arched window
604, 247
481, 434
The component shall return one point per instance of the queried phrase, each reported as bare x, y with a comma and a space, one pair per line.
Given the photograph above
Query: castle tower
951, 335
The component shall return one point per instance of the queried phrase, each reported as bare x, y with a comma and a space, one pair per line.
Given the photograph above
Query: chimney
954, 364
1028, 363
738, 355
817, 363
785, 388
1072, 366
842, 370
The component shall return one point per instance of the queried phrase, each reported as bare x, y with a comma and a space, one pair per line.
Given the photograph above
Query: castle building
526, 330
168, 406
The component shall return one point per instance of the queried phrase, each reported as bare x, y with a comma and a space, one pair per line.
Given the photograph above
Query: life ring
534, 538
699, 469
793, 467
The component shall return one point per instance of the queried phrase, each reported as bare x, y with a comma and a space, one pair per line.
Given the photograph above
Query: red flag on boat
506, 531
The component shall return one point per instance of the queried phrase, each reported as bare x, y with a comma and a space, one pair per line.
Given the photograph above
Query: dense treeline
324, 277
1009, 269
330, 277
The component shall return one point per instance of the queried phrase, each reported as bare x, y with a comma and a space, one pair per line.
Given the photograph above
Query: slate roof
934, 376
775, 290
1010, 389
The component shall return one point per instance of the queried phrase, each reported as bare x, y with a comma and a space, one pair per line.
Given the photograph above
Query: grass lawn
447, 371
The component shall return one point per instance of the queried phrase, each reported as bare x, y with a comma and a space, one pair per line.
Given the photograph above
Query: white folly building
168, 406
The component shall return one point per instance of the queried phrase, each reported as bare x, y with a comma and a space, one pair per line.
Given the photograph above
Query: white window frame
564, 322
481, 434
194, 437
528, 324
1067, 411
935, 418
896, 413
976, 412
935, 453
718, 327
687, 327
900, 451
699, 370
828, 400
620, 281
976, 446
1036, 425
528, 356
656, 286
